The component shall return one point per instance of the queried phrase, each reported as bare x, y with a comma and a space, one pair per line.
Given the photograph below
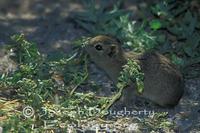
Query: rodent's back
163, 82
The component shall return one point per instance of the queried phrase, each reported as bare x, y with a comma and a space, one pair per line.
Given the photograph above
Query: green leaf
131, 72
155, 24
189, 24
161, 38
177, 60
192, 61
191, 45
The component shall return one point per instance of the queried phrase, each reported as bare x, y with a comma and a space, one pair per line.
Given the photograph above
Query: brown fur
162, 80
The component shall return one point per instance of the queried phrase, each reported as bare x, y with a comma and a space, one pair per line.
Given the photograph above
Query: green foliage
131, 73
135, 37
38, 83
27, 52
159, 122
155, 24
98, 20
114, 22
181, 20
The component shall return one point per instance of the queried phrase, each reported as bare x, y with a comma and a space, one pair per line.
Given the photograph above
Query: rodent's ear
113, 50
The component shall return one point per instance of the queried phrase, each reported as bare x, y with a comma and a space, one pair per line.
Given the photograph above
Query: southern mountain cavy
162, 80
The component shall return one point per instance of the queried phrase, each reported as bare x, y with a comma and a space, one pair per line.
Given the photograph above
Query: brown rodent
162, 80
7, 65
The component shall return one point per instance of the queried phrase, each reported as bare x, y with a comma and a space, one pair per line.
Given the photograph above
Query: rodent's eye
98, 47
